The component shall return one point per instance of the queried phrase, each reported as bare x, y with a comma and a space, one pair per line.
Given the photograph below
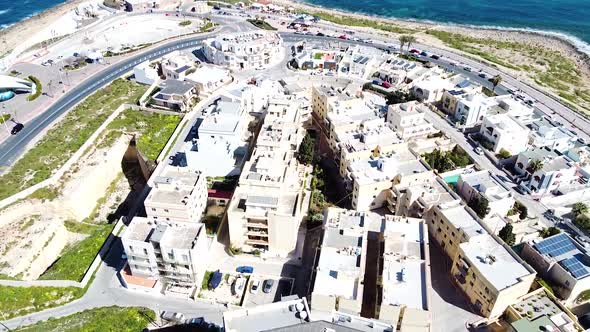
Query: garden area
444, 161
113, 318
67, 136
261, 24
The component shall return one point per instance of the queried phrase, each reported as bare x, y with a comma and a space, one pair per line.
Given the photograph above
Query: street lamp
4, 121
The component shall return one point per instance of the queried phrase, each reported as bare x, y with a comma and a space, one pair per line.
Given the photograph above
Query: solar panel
556, 245
575, 267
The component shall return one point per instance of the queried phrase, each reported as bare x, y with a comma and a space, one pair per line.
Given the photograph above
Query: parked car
16, 129
452, 64
215, 280
238, 285
435, 57
319, 34
245, 269
423, 53
196, 321
478, 150
343, 37
482, 75
267, 287
415, 51
173, 316
386, 85
255, 286
467, 69
582, 140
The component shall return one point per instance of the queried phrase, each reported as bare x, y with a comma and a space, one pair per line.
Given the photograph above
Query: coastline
575, 43
12, 36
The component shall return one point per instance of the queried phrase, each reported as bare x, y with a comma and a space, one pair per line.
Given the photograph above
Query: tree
507, 235
583, 221
579, 208
305, 153
410, 40
534, 166
547, 232
402, 42
504, 153
480, 205
495, 81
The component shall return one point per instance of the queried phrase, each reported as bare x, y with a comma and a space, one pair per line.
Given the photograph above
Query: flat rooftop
181, 237
139, 229
267, 316
400, 162
404, 265
363, 140
567, 253
463, 220
487, 184
492, 260
505, 122
433, 193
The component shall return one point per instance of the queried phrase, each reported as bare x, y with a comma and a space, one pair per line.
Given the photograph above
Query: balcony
251, 224
257, 242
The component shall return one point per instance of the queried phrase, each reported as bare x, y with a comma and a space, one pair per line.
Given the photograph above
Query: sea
568, 19
14, 11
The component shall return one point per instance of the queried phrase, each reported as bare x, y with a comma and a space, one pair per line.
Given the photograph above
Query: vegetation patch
5, 117
444, 161
185, 23
548, 68
18, 301
261, 24
359, 22
99, 319
38, 88
67, 136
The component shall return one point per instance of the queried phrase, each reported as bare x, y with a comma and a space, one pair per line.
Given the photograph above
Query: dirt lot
226, 292
33, 231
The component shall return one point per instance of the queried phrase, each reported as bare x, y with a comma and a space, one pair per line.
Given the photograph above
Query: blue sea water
13, 11
568, 17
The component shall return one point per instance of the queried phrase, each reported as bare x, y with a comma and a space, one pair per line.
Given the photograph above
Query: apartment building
563, 262
359, 62
399, 72
407, 119
269, 203
555, 170
207, 79
219, 145
487, 185
355, 248
463, 87
488, 272
175, 255
416, 200
178, 196
372, 174
145, 73
545, 133
473, 108
505, 133
244, 50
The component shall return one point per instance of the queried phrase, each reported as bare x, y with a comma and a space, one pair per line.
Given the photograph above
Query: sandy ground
32, 232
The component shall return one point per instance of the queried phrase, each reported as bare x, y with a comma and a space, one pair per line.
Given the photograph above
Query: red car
415, 51
386, 85
343, 37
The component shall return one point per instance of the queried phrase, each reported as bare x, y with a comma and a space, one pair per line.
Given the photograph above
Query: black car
319, 34
482, 75
16, 129
423, 53
435, 57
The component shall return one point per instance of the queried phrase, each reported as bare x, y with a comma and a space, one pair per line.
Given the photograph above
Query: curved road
12, 147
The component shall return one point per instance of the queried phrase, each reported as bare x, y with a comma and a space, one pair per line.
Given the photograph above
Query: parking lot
280, 287
226, 292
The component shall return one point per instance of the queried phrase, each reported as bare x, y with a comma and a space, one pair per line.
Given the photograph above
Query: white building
145, 73
398, 72
15, 84
289, 312
208, 78
175, 255
178, 196
505, 133
200, 7
359, 62
555, 171
220, 145
472, 108
244, 50
268, 205
486, 184
544, 133
407, 119
176, 65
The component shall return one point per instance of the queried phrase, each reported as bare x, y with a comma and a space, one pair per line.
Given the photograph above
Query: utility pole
4, 121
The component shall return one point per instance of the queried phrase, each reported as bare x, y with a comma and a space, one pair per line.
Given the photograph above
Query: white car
255, 286
478, 150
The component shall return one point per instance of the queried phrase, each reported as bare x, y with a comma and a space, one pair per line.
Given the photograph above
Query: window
185, 258
166, 210
153, 209
170, 255
145, 251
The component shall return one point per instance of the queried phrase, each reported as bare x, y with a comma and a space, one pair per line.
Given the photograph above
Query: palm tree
534, 166
410, 40
402, 42
495, 81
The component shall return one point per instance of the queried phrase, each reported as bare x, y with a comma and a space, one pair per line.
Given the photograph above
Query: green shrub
38, 88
